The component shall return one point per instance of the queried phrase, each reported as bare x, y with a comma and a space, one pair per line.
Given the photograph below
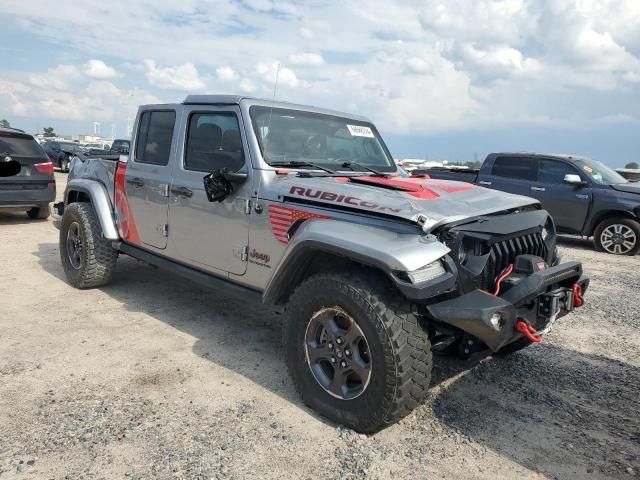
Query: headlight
426, 273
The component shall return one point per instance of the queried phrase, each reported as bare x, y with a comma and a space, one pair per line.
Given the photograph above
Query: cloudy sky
442, 79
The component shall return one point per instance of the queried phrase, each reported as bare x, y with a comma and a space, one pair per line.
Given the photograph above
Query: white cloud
99, 70
65, 98
226, 73
268, 71
414, 65
183, 77
306, 59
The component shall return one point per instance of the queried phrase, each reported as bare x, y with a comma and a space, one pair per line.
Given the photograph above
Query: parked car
303, 207
118, 147
26, 174
60, 153
584, 196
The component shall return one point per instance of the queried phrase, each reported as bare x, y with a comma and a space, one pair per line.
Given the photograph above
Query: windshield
599, 172
291, 135
19, 144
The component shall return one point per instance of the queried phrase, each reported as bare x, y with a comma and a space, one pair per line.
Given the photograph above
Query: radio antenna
258, 207
275, 85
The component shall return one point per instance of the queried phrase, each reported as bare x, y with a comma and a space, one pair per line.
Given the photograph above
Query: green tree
48, 132
4, 123
632, 165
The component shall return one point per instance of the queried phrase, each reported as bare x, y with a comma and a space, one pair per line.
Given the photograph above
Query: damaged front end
510, 284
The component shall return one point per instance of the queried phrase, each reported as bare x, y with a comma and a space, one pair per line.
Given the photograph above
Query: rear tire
39, 213
87, 257
390, 343
618, 236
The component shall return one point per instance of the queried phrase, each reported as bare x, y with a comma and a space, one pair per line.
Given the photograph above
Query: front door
146, 181
210, 235
568, 204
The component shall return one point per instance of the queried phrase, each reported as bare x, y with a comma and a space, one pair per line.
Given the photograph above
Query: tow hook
578, 299
528, 331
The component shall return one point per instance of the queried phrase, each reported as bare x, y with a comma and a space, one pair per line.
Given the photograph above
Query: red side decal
282, 218
126, 224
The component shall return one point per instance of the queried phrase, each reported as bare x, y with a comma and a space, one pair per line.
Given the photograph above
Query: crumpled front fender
100, 201
377, 247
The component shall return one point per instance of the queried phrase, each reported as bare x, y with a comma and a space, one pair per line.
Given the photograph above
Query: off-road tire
39, 213
513, 347
98, 258
626, 222
400, 350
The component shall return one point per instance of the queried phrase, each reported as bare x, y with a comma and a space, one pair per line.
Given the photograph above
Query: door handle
538, 189
484, 182
136, 182
182, 191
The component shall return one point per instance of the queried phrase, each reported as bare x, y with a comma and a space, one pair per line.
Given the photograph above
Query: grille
505, 252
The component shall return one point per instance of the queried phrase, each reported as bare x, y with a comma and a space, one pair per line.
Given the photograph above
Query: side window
154, 137
213, 142
512, 167
552, 171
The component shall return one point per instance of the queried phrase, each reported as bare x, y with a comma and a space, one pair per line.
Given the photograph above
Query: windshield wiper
296, 163
350, 165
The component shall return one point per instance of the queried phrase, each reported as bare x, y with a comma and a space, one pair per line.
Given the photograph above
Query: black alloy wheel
337, 353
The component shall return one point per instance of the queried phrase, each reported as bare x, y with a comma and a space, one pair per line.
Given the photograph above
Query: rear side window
214, 142
513, 167
154, 137
19, 145
552, 171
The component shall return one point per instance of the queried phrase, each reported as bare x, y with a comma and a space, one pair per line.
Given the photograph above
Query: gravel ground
155, 377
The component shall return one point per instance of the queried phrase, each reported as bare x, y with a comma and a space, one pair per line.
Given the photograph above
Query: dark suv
26, 174
60, 153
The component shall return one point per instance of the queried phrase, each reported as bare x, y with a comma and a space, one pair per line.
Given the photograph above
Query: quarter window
154, 137
512, 167
214, 142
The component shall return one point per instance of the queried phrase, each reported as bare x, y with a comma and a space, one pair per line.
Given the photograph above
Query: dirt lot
155, 377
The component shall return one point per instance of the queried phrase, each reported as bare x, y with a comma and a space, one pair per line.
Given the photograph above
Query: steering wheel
315, 147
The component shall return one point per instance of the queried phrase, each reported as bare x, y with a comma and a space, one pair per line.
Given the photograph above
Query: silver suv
305, 207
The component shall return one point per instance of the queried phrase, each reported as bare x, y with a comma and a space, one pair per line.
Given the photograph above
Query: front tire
386, 353
618, 236
39, 213
87, 257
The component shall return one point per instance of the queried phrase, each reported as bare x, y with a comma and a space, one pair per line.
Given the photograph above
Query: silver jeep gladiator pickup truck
305, 207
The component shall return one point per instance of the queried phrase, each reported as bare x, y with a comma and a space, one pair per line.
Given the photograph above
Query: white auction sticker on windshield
360, 131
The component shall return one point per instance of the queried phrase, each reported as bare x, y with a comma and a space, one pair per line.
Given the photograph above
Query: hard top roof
236, 99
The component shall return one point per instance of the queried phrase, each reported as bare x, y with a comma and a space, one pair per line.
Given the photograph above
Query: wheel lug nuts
339, 354
330, 346
333, 359
339, 340
347, 352
343, 364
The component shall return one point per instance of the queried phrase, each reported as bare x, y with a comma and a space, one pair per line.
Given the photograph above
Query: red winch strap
528, 331
505, 273
578, 300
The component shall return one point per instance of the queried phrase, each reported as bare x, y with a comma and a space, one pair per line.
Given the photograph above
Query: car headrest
231, 141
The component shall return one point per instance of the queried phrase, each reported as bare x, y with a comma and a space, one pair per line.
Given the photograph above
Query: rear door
512, 174
148, 175
568, 204
212, 236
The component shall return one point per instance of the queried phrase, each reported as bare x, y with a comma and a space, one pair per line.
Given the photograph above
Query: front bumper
538, 299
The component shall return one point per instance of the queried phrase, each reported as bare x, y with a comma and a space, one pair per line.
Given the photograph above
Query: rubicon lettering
334, 197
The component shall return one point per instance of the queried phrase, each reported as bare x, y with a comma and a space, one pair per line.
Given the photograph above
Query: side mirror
219, 184
573, 179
